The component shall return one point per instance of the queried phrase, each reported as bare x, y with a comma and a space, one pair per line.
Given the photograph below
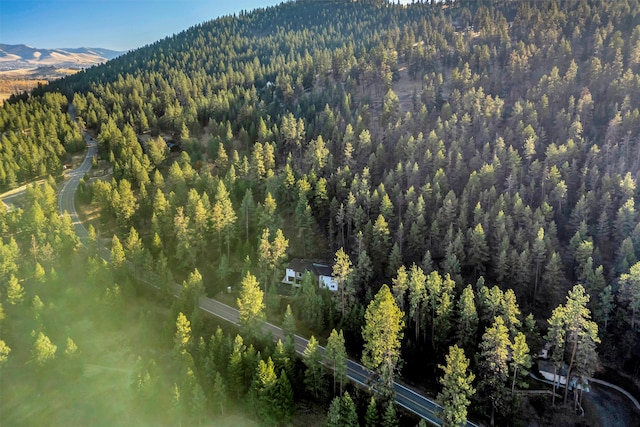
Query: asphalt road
17, 193
357, 373
404, 396
66, 197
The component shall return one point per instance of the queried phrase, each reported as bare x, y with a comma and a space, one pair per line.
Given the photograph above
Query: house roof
547, 366
323, 269
299, 265
317, 267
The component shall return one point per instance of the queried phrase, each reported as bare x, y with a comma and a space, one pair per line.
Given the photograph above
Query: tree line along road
404, 396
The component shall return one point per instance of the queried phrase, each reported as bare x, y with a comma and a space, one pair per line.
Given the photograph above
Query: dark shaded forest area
480, 158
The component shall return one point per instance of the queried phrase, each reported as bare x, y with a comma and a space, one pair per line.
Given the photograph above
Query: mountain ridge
22, 56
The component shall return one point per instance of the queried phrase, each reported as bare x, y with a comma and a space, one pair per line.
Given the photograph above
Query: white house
320, 269
546, 369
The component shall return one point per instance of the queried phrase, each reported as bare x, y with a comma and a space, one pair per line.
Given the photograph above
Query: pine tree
349, 416
235, 371
134, 249
390, 109
182, 336
417, 296
191, 292
361, 278
224, 270
553, 277
580, 330
334, 415
630, 295
15, 292
251, 306
43, 350
271, 255
247, 209
312, 306
457, 388
279, 248
223, 215
520, 357
39, 275
5, 350
263, 388
555, 336
314, 372
395, 261
289, 322
382, 335
219, 393
197, 403
390, 418
264, 256
342, 271
467, 318
510, 312
439, 304
380, 244
217, 357
539, 251
400, 286
124, 203
283, 399
371, 416
336, 356
117, 257
477, 250
342, 412
493, 368
37, 306
177, 403
71, 349
144, 383
92, 240
266, 214
606, 307
184, 133
283, 359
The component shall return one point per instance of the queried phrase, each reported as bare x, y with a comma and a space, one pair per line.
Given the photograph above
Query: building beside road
321, 270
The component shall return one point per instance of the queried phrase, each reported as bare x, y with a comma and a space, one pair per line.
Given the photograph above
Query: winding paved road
66, 197
404, 396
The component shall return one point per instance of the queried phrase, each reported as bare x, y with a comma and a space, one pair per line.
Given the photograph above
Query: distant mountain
19, 56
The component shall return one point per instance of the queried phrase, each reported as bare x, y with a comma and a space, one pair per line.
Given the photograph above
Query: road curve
624, 392
66, 197
404, 396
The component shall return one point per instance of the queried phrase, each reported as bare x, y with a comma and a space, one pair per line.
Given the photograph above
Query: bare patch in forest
405, 87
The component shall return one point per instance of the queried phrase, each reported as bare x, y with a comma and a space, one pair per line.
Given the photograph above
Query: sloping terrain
22, 56
23, 67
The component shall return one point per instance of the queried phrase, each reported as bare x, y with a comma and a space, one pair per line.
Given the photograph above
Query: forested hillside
480, 158
35, 136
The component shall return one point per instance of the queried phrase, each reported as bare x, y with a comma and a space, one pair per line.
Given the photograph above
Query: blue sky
110, 24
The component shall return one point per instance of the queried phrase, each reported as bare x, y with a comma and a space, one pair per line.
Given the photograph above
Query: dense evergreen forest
470, 166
